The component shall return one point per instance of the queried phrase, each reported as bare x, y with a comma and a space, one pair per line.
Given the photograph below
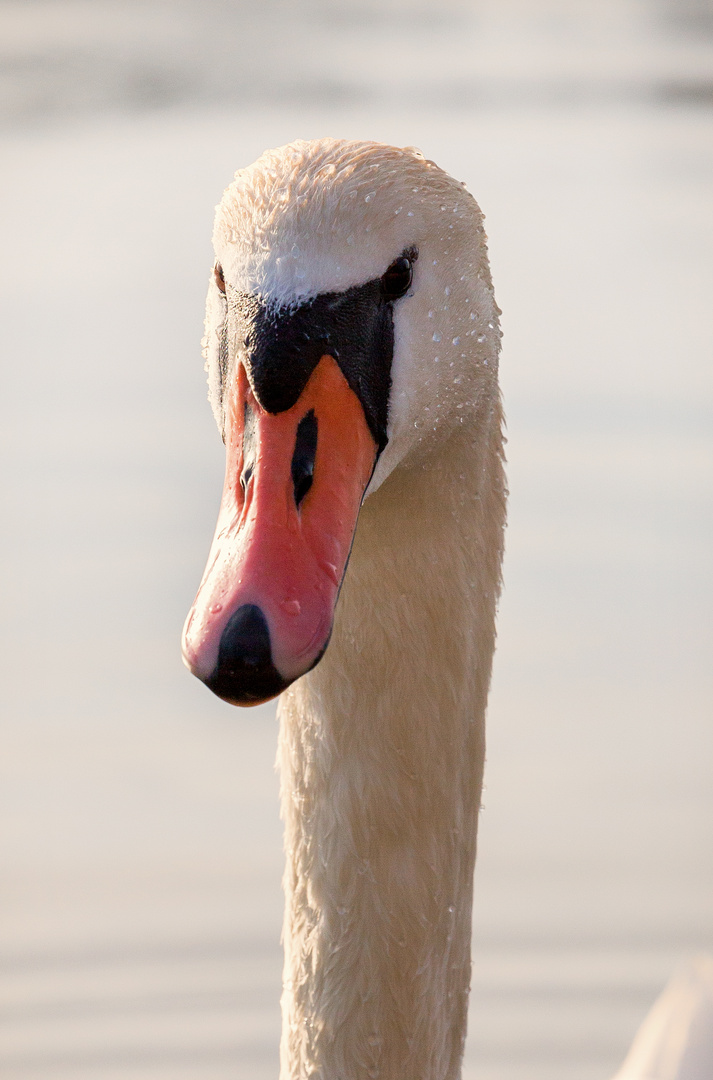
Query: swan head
350, 327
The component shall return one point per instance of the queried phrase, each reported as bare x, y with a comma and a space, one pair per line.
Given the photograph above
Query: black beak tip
245, 673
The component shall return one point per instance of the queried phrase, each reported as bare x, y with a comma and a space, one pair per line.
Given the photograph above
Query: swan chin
293, 488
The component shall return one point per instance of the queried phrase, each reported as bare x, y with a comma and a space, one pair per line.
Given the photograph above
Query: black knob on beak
245, 673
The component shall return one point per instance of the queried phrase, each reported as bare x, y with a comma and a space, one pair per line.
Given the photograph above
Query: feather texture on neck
381, 759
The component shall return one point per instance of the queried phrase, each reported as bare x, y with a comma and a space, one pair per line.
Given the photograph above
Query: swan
675, 1041
351, 344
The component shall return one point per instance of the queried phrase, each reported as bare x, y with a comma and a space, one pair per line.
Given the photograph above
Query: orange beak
294, 483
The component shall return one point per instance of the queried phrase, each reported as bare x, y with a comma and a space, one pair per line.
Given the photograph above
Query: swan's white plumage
675, 1042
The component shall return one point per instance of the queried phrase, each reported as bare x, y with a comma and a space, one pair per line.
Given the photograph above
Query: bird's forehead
309, 219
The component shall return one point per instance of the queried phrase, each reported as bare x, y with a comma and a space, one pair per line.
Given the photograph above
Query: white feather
675, 1041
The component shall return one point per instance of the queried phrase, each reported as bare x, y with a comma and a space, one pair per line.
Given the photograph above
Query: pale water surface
141, 846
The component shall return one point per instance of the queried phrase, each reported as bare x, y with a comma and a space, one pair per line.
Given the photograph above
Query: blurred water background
140, 850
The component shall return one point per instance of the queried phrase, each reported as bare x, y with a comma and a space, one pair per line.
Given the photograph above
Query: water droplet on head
480, 337
370, 196
447, 290
456, 341
437, 335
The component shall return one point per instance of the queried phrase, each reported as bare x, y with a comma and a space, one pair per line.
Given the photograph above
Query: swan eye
218, 276
397, 280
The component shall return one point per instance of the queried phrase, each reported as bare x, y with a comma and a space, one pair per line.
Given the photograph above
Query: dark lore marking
284, 345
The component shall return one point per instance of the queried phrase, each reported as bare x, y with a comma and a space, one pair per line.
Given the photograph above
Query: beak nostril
302, 484
304, 456
246, 478
249, 446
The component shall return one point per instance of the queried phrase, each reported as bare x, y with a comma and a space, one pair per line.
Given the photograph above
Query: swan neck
381, 758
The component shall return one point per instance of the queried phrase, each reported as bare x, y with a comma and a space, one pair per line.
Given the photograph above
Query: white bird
675, 1041
352, 344
352, 347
